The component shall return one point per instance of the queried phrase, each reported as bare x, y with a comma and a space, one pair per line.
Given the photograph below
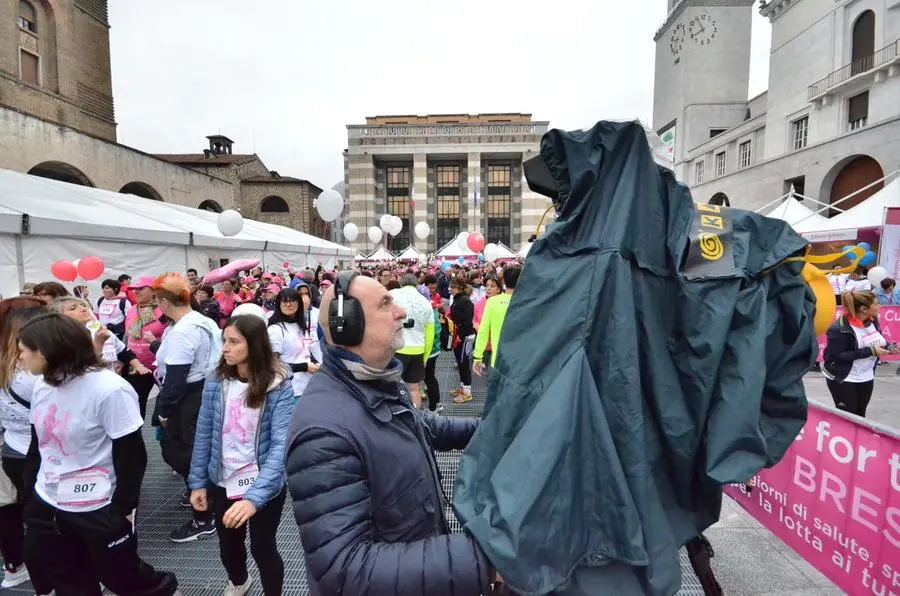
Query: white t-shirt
863, 370
109, 312
239, 430
112, 347
14, 417
856, 285
296, 347
76, 425
418, 309
194, 340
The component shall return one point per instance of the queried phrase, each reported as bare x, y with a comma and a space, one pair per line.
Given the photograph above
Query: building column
472, 221
361, 199
420, 196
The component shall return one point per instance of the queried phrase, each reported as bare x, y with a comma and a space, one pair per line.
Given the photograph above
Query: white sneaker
15, 577
242, 590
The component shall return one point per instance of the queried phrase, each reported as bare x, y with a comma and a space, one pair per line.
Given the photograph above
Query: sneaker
193, 530
186, 499
14, 576
462, 398
241, 590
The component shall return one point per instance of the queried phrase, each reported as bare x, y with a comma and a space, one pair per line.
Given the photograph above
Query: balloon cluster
88, 268
868, 258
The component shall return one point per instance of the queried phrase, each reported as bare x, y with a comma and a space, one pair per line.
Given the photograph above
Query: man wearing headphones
366, 492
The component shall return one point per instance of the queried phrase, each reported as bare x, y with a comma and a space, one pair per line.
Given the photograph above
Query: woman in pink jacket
142, 328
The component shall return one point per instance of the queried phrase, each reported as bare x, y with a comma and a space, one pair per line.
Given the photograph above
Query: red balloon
475, 242
64, 271
90, 268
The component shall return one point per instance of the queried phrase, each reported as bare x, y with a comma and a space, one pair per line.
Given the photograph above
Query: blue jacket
271, 436
366, 490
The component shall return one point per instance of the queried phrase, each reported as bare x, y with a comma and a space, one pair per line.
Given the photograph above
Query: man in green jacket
492, 320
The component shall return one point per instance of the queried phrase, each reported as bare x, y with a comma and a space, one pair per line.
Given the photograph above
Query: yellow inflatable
818, 282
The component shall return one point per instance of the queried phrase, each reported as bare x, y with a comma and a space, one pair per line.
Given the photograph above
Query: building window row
698, 171
499, 194
800, 132
858, 111
29, 62
720, 164
398, 191
449, 193
745, 154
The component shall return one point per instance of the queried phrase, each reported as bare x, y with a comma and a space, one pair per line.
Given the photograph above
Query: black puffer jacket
367, 494
842, 349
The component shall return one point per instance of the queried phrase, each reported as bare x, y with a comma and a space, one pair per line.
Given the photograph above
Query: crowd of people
269, 384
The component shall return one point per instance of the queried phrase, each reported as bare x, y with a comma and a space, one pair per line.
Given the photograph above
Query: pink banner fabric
888, 319
835, 500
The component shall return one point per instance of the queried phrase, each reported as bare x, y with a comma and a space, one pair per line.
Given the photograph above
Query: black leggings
142, 385
463, 363
431, 384
263, 546
851, 397
12, 532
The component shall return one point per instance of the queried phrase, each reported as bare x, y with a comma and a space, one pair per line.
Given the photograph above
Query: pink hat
249, 280
324, 284
273, 288
267, 275
144, 281
278, 280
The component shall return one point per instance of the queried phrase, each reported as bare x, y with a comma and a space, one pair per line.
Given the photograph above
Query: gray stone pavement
749, 559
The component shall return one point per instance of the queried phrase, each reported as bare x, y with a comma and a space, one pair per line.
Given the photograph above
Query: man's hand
478, 367
238, 514
139, 369
198, 499
312, 368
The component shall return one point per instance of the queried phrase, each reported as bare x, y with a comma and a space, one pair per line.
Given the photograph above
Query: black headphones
346, 320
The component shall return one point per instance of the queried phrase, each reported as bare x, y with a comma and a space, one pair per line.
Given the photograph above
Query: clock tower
702, 72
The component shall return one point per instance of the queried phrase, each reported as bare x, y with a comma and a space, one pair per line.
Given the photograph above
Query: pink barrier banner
888, 319
835, 500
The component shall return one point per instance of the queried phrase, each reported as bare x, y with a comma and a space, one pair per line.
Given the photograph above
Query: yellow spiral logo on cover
710, 246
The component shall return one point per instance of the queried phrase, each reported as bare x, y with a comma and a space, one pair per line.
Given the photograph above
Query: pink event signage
835, 500
888, 319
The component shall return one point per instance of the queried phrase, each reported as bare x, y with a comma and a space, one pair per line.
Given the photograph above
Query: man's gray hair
408, 279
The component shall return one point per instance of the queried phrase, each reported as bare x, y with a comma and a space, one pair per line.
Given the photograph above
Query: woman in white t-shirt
237, 468
86, 461
16, 386
293, 332
112, 308
854, 344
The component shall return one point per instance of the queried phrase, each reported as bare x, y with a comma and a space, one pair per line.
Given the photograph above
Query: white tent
868, 214
799, 216
410, 253
452, 249
380, 254
43, 220
505, 252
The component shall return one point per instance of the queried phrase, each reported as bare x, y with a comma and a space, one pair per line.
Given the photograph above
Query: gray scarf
364, 372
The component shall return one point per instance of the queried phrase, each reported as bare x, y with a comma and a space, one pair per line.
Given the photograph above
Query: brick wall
299, 197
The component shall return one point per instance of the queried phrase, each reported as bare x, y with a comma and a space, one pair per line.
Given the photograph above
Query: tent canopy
70, 211
868, 214
799, 216
451, 249
505, 252
381, 254
410, 253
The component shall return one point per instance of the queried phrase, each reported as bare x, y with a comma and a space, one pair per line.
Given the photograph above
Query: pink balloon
286, 265
64, 271
475, 241
90, 268
229, 271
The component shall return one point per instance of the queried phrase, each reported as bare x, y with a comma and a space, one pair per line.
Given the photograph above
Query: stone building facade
457, 172
829, 123
257, 192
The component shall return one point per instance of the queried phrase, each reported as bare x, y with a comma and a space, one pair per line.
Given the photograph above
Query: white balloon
491, 252
461, 240
422, 230
876, 274
330, 204
385, 223
230, 222
351, 232
250, 309
396, 225
375, 234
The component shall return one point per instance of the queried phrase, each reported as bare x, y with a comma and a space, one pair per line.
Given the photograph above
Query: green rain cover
653, 351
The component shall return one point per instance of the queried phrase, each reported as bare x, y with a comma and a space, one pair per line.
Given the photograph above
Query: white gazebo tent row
44, 220
380, 254
812, 223
411, 253
451, 250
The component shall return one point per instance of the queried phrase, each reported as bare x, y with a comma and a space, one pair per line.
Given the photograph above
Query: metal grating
197, 564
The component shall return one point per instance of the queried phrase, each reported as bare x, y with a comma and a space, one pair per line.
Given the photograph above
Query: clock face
703, 29
677, 39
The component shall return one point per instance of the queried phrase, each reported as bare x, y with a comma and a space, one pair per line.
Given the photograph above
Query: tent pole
20, 261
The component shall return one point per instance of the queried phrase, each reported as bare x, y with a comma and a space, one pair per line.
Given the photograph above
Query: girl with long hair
239, 453
143, 329
853, 346
86, 463
293, 332
16, 386
462, 314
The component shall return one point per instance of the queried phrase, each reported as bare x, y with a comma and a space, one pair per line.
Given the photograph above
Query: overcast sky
284, 77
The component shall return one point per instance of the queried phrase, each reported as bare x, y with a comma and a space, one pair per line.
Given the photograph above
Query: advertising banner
890, 242
835, 500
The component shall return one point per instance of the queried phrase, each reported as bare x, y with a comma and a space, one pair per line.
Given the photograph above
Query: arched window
27, 17
862, 53
29, 58
274, 204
